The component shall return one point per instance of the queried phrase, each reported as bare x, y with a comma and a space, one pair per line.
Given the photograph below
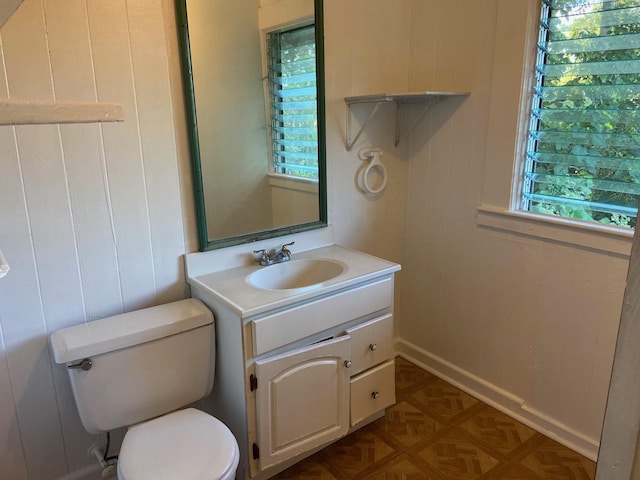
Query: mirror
253, 73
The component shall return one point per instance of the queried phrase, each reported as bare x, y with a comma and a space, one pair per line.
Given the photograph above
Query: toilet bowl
139, 370
187, 444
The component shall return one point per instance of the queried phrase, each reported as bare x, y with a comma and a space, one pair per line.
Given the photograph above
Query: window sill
604, 238
293, 183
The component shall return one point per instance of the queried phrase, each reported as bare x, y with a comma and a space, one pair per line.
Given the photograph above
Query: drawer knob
347, 363
373, 347
375, 395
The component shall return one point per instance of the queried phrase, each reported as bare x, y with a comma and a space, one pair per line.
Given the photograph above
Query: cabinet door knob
373, 347
347, 363
375, 395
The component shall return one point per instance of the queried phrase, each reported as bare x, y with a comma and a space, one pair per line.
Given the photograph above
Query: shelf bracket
352, 141
401, 136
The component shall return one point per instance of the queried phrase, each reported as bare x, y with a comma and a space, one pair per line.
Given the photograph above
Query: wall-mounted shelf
34, 112
425, 98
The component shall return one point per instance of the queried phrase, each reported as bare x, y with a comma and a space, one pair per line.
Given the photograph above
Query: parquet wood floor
437, 432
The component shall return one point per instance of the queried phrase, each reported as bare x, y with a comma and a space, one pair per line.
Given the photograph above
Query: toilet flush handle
85, 365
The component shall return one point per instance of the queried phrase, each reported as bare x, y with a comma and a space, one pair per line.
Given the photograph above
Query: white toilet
133, 370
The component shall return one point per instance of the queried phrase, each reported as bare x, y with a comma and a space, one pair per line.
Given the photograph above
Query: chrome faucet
275, 256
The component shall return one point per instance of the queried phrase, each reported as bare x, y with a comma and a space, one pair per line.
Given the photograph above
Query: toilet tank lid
128, 329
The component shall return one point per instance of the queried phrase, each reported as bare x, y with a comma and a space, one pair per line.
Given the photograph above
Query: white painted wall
232, 124
367, 45
293, 201
92, 217
619, 456
529, 324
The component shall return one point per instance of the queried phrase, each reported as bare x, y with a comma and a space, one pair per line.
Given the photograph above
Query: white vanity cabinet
298, 370
319, 369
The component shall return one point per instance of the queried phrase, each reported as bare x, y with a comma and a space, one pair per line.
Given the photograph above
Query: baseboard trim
499, 399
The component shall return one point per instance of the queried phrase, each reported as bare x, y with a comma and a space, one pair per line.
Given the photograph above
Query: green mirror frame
194, 146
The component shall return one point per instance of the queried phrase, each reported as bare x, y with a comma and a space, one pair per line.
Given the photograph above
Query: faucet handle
264, 256
285, 250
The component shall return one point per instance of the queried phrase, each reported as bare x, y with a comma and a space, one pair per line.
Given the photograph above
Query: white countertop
230, 286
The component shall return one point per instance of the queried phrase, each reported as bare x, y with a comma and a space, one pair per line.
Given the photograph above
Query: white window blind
583, 152
294, 115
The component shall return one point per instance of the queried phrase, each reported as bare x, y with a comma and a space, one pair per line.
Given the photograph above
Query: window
583, 150
293, 99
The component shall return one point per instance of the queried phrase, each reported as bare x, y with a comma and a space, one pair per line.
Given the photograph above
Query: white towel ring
372, 155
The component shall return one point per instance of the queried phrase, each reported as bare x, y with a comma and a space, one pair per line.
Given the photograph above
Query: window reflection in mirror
292, 95
255, 98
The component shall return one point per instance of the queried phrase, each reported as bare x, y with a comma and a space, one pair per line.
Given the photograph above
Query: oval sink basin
296, 274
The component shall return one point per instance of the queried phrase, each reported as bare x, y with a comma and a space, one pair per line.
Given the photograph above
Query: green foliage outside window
583, 159
292, 86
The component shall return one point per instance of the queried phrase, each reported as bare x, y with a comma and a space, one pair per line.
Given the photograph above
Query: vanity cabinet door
302, 399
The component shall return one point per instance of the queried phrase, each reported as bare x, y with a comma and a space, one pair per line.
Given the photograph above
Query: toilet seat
187, 445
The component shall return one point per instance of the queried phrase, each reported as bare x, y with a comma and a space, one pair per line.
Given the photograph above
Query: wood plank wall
91, 215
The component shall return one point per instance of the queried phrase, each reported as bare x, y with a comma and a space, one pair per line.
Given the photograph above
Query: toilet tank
144, 363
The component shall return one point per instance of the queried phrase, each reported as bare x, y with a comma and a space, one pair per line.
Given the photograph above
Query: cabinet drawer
371, 343
282, 328
372, 391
